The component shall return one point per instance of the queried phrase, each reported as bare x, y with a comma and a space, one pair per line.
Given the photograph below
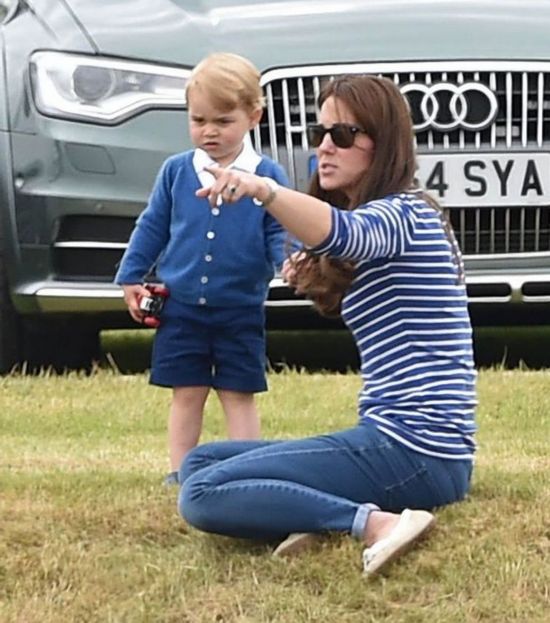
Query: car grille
89, 248
521, 124
493, 230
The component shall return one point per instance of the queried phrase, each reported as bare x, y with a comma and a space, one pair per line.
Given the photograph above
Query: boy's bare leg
185, 421
241, 414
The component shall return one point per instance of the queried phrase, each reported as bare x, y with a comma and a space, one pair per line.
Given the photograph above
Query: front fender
8, 248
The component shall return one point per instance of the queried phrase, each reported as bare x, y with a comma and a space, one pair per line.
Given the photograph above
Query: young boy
216, 262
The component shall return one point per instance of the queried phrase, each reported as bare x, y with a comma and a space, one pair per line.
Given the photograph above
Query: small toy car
152, 305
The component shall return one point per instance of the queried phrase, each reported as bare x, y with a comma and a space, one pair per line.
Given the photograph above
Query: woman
380, 253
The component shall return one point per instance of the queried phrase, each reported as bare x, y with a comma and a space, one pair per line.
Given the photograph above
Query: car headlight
100, 89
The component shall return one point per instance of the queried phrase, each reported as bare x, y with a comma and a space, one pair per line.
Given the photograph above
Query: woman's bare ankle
379, 525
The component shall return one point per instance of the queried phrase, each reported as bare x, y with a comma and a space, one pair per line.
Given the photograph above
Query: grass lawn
88, 532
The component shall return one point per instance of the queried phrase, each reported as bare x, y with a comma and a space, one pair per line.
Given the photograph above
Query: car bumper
487, 293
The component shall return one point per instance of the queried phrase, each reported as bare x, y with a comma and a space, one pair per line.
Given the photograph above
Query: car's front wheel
28, 344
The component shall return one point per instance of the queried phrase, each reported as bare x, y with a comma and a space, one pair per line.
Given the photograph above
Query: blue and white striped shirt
407, 311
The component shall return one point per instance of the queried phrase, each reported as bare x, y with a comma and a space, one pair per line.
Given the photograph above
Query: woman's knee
196, 459
186, 468
191, 504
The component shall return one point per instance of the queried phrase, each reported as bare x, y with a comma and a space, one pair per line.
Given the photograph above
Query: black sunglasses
342, 134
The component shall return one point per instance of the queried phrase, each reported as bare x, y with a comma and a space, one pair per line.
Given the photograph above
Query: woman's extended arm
305, 217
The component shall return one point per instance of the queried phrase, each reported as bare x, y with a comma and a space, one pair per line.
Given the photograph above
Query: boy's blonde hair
230, 81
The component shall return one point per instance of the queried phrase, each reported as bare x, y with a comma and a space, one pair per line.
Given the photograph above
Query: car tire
30, 344
9, 326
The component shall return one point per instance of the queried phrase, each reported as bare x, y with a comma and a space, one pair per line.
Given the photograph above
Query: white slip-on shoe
412, 526
296, 543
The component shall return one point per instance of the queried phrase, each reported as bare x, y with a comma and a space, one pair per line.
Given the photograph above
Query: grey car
93, 101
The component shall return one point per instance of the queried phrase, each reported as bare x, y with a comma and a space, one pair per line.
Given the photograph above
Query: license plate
487, 179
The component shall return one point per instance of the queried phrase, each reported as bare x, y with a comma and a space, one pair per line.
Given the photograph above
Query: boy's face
219, 133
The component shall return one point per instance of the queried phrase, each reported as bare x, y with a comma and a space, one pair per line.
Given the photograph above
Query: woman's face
340, 168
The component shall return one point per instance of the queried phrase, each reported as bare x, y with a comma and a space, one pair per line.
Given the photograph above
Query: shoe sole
425, 524
295, 544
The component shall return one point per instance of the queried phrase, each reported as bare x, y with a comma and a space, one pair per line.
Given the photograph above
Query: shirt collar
247, 161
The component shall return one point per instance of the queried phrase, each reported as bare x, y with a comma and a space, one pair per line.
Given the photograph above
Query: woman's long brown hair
381, 110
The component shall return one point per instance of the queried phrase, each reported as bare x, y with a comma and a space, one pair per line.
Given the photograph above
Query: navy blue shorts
219, 347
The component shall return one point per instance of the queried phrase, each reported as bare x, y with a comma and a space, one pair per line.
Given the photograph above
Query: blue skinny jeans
268, 489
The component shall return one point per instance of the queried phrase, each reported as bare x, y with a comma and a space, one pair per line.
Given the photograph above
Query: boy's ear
255, 117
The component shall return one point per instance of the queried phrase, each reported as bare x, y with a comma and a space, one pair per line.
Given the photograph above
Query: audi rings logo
445, 107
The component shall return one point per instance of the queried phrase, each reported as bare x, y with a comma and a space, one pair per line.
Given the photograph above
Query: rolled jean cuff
361, 518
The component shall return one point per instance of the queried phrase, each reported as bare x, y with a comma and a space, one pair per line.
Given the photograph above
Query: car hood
283, 32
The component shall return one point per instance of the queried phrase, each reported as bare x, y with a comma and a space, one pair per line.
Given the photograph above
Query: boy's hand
132, 295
